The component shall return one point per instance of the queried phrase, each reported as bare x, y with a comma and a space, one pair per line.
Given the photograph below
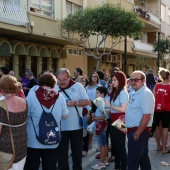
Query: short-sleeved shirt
35, 111
32, 83
122, 98
91, 91
141, 102
77, 93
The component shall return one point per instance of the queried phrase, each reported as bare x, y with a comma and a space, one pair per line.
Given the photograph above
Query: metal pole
125, 55
158, 61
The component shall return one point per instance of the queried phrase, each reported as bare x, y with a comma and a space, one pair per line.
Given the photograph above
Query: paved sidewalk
155, 157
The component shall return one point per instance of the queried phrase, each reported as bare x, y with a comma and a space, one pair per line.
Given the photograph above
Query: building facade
31, 36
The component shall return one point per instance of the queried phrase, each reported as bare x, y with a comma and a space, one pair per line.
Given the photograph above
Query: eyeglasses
62, 80
135, 80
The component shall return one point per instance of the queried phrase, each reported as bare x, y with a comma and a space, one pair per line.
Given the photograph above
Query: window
131, 1
44, 7
169, 16
163, 12
72, 8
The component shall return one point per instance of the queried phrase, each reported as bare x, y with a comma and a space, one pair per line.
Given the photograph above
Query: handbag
120, 125
100, 126
6, 159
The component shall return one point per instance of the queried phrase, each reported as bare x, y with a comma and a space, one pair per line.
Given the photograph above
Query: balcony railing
13, 14
148, 16
143, 47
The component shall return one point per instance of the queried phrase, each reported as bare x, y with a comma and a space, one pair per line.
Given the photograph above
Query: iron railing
13, 14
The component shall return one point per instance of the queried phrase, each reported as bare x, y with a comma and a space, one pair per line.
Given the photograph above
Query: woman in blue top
49, 98
118, 99
91, 92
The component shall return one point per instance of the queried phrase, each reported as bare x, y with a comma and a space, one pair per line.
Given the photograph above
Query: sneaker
106, 163
99, 166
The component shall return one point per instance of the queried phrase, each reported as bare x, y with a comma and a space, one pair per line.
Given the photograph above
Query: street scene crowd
42, 118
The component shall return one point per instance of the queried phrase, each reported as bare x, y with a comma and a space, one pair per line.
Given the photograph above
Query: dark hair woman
118, 99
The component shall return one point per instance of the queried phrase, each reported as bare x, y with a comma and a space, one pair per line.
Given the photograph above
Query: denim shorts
102, 138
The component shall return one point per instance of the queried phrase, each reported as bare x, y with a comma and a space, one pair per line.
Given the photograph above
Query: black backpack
49, 133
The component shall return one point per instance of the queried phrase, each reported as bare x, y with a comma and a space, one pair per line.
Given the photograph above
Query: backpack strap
51, 108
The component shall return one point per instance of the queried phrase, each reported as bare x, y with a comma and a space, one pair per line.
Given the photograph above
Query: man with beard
138, 119
71, 131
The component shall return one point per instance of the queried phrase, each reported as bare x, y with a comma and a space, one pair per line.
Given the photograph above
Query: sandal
111, 159
166, 152
98, 156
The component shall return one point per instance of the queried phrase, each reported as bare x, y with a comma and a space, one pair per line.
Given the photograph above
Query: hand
93, 117
107, 103
71, 103
136, 136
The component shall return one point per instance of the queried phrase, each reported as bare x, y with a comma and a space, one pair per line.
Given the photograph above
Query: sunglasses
134, 80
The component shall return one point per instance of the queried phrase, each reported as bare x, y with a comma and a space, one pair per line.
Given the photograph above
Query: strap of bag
68, 97
52, 106
11, 136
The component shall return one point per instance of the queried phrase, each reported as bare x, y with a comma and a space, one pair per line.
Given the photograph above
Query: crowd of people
141, 101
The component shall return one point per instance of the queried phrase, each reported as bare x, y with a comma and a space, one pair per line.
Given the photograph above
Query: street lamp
158, 59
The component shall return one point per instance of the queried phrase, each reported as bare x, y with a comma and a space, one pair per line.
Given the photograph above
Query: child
99, 117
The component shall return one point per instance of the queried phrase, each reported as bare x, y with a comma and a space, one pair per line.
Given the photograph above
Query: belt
135, 128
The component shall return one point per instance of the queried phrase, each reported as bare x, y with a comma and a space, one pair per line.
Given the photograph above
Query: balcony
13, 14
151, 20
141, 47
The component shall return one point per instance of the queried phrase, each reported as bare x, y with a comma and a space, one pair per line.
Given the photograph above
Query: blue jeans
138, 151
102, 138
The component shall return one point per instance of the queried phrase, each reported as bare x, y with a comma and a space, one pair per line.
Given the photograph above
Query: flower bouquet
100, 104
91, 128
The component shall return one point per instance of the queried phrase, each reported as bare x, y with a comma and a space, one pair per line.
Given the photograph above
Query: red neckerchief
46, 97
69, 85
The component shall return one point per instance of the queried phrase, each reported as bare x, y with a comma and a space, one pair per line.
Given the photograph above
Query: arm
80, 103
122, 107
64, 116
142, 126
154, 90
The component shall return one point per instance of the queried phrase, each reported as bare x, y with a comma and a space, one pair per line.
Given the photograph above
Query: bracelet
77, 103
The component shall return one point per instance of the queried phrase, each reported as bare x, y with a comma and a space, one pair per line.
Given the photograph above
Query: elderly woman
43, 97
17, 110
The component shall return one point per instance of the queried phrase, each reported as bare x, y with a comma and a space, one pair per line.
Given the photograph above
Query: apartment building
140, 48
165, 28
31, 36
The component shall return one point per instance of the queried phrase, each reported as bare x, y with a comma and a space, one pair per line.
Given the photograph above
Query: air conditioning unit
119, 57
107, 58
114, 58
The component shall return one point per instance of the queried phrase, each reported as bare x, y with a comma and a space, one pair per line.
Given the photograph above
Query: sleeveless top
19, 133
